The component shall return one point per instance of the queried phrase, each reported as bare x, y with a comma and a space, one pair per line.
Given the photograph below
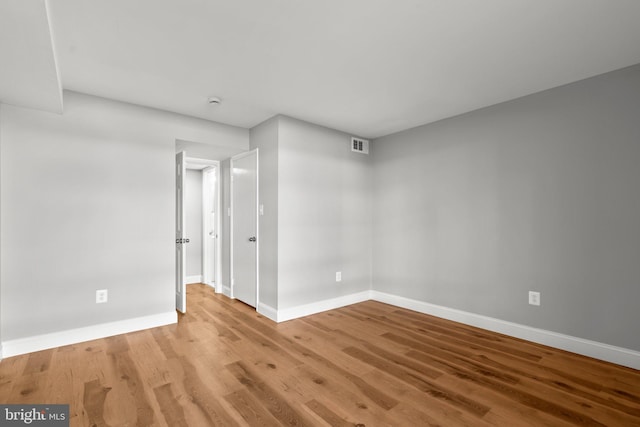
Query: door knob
252, 239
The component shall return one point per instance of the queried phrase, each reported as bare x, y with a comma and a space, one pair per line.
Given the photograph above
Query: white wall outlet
338, 276
101, 296
534, 298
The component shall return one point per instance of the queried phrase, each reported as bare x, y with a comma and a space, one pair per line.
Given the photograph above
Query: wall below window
540, 193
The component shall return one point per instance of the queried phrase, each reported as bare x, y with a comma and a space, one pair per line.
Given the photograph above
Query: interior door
181, 240
244, 207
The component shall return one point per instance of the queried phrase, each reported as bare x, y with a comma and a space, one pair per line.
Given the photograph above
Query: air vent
359, 145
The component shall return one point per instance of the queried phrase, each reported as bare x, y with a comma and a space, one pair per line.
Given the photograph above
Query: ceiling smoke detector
214, 100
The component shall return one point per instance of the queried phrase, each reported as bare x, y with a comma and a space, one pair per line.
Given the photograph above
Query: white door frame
232, 237
206, 219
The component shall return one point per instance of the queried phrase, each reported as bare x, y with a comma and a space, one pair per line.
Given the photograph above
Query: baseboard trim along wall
212, 285
267, 311
312, 308
88, 333
190, 280
597, 350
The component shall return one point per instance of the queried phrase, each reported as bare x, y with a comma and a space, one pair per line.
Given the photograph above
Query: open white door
244, 227
181, 240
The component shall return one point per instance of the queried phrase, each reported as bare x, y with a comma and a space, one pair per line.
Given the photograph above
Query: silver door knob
252, 239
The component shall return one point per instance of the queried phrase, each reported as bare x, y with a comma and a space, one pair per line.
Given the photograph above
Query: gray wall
324, 214
265, 138
1, 351
541, 193
79, 213
199, 150
193, 218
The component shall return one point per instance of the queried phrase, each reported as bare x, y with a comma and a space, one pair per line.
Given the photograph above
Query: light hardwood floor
367, 364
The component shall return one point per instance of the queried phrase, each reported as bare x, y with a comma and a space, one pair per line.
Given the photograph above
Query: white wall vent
359, 145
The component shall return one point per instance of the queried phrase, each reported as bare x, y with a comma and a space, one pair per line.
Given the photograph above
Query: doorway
197, 225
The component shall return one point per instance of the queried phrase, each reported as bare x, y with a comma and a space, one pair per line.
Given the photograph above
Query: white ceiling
28, 72
367, 67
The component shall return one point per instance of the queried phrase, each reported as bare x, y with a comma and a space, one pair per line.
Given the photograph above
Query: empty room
320, 213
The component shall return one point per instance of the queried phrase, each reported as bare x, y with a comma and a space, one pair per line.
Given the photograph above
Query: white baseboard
88, 333
193, 279
267, 311
211, 285
226, 290
219, 288
317, 307
597, 350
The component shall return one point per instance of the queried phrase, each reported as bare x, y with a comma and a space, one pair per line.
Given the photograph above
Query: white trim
618, 355
194, 163
317, 307
231, 233
190, 280
226, 290
597, 350
212, 286
88, 333
268, 311
258, 239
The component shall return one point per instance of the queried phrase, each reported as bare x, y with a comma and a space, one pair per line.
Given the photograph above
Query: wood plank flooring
368, 364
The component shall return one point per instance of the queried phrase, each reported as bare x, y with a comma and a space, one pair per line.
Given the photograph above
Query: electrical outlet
101, 296
534, 298
338, 276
